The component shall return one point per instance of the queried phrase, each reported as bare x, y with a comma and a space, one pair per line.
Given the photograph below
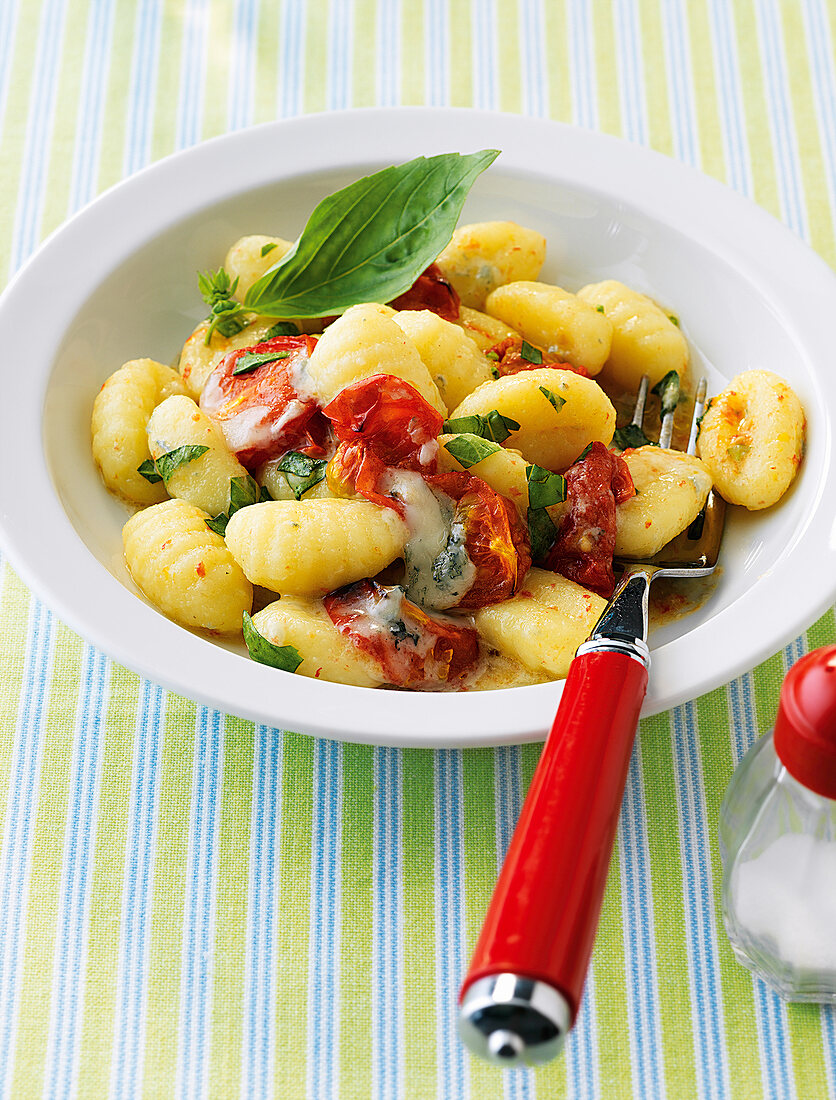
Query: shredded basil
285, 657
264, 495
149, 471
674, 320
555, 400
218, 524
252, 360
301, 471
541, 532
545, 487
243, 491
530, 353
495, 373
371, 240
268, 248
281, 328
667, 390
468, 449
600, 309
630, 435
168, 464
492, 425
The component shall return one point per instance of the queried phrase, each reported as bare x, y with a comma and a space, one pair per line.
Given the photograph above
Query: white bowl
118, 282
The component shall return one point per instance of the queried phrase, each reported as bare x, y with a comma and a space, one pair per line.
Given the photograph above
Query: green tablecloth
192, 905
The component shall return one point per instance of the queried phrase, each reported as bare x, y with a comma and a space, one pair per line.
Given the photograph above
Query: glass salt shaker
778, 840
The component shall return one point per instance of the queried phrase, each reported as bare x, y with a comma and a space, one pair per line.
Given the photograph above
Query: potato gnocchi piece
456, 366
551, 437
644, 339
326, 653
250, 257
308, 548
363, 342
198, 360
202, 481
483, 330
496, 671
752, 439
482, 256
671, 488
555, 320
120, 416
544, 624
185, 569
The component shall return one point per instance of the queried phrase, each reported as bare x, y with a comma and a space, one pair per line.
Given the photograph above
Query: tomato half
414, 649
585, 543
495, 539
264, 411
508, 358
430, 291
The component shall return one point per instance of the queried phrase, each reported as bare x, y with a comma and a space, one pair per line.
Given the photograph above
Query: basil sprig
227, 315
252, 360
301, 471
161, 469
285, 657
370, 241
492, 425
468, 449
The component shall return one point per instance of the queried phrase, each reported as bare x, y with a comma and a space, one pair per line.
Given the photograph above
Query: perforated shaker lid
805, 728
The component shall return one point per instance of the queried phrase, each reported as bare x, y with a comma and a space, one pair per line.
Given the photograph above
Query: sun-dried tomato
430, 291
414, 649
262, 412
583, 550
495, 539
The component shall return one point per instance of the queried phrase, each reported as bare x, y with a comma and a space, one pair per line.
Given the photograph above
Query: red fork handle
544, 912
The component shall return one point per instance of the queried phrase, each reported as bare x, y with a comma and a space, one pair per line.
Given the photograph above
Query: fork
525, 980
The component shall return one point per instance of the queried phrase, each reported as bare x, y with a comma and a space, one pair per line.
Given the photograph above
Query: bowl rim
94, 604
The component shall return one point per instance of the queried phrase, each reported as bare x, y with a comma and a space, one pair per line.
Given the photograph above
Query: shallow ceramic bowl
118, 282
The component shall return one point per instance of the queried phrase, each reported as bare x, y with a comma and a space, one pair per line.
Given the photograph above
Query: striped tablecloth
194, 906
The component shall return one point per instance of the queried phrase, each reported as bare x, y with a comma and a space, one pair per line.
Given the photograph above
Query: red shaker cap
805, 728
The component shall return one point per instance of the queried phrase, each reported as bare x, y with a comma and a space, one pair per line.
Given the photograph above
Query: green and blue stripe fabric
194, 906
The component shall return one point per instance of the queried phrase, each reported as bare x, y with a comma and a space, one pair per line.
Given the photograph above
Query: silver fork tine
641, 401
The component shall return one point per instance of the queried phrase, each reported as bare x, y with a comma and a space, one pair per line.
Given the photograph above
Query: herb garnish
243, 491
541, 532
281, 328
555, 400
530, 353
268, 248
545, 487
667, 390
370, 241
468, 449
301, 471
631, 435
252, 360
161, 469
600, 309
285, 657
227, 315
492, 425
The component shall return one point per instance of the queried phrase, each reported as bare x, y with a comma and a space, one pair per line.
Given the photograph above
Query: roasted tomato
265, 411
381, 422
430, 291
414, 649
585, 541
509, 358
495, 539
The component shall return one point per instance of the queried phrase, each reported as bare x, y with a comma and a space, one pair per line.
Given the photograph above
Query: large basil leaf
370, 241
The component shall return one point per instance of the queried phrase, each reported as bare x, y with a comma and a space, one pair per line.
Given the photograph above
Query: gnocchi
752, 438
394, 486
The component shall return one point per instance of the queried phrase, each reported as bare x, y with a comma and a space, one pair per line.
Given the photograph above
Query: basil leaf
600, 309
149, 471
631, 435
243, 491
530, 353
302, 471
218, 524
169, 463
251, 360
544, 487
468, 449
285, 657
264, 495
555, 400
667, 390
267, 248
281, 328
370, 241
492, 425
541, 532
